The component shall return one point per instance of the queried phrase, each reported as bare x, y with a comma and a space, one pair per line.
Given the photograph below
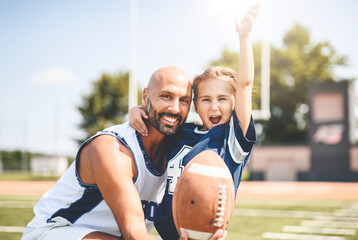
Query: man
118, 179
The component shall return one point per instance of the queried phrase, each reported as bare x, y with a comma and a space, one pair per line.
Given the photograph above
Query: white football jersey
83, 204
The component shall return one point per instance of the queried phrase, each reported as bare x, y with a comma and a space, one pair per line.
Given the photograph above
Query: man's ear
144, 97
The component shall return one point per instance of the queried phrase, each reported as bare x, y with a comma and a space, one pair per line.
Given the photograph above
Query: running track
296, 190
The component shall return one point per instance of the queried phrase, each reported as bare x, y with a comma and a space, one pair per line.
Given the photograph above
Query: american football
203, 199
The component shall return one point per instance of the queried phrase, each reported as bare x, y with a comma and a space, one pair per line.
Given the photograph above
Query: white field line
329, 224
12, 229
334, 231
22, 229
352, 209
290, 236
278, 213
17, 204
346, 213
339, 219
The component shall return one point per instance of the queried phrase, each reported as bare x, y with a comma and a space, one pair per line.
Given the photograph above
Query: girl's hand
244, 27
136, 115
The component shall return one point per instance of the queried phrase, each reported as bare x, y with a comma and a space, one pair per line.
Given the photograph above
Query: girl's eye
222, 99
205, 100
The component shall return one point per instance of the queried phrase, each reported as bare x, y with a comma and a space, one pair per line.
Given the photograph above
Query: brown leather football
203, 199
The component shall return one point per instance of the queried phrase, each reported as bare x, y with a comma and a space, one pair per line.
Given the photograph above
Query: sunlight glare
229, 8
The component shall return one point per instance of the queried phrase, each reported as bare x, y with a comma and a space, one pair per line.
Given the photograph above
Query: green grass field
21, 176
17, 211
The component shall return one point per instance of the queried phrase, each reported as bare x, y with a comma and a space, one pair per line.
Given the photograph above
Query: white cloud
55, 75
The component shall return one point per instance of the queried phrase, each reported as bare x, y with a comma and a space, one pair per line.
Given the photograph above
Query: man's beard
154, 120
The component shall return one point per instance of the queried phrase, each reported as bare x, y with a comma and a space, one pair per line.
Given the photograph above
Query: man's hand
219, 235
244, 27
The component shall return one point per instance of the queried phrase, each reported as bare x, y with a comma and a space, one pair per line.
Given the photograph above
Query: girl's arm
136, 116
245, 82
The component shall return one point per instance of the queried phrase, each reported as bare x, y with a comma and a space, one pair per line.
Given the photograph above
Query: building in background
48, 166
331, 153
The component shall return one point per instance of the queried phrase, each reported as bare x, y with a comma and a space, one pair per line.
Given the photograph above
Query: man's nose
174, 107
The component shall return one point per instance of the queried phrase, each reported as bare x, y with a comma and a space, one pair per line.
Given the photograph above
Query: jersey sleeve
240, 145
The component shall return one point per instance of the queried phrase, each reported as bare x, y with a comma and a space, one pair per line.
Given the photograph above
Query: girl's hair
215, 72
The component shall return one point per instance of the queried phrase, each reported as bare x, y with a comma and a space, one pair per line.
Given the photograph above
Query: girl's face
215, 102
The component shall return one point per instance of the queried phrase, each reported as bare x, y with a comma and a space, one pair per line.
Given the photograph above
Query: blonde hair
215, 72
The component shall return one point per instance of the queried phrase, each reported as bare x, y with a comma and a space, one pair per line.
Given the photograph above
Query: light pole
133, 86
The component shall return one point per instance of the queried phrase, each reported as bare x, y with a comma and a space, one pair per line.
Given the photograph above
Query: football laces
218, 222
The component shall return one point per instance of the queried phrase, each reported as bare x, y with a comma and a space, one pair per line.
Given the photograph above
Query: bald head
167, 99
170, 73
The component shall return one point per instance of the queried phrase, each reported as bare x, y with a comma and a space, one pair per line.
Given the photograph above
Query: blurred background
67, 68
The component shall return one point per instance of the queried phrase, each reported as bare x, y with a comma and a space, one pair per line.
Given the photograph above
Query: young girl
222, 98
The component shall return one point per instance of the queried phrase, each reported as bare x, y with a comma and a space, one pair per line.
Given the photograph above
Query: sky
52, 51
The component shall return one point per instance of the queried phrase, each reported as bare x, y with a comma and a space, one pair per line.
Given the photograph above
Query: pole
24, 164
133, 86
265, 67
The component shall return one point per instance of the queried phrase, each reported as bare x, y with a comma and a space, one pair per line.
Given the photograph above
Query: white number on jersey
175, 168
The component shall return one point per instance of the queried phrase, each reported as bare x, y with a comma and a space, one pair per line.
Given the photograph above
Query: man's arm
110, 165
245, 82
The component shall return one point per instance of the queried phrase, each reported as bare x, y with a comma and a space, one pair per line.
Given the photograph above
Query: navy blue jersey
227, 140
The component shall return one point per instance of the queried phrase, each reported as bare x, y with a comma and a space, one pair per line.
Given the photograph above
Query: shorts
58, 229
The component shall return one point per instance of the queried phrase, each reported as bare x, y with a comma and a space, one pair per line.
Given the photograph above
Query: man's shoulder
124, 132
121, 136
119, 129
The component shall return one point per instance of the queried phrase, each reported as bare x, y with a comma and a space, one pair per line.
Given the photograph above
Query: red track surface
297, 190
25, 188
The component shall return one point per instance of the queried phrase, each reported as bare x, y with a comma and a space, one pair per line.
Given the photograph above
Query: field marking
350, 208
12, 229
278, 213
334, 231
339, 219
315, 223
271, 235
346, 213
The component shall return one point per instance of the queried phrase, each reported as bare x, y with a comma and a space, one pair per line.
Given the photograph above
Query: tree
12, 159
106, 104
293, 67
